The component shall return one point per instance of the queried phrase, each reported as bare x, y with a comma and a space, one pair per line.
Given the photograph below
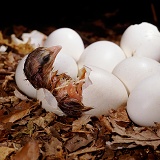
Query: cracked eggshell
23, 84
141, 39
71, 42
65, 64
143, 105
102, 91
36, 38
49, 102
134, 69
102, 54
3, 48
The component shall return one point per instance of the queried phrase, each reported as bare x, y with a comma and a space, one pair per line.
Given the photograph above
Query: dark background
78, 14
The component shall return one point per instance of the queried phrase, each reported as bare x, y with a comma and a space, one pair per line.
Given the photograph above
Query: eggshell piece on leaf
35, 38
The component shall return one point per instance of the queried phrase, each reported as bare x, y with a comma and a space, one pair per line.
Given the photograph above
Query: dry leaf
86, 150
5, 151
54, 148
19, 111
29, 152
78, 124
78, 141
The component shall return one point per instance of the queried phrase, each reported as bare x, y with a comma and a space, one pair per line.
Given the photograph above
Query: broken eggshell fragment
49, 102
102, 91
36, 38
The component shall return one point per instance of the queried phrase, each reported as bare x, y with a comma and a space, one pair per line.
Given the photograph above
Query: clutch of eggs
104, 86
113, 73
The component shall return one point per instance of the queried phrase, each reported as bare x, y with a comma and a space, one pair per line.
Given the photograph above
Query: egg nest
28, 131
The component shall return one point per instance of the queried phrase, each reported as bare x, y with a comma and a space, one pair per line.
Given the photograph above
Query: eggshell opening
102, 92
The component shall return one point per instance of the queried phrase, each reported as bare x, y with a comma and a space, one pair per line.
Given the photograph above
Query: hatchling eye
46, 58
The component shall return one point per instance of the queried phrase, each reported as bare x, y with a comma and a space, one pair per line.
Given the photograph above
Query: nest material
27, 130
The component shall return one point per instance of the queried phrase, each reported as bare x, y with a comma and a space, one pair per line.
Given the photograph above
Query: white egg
102, 54
134, 69
143, 105
102, 91
65, 64
49, 102
150, 48
71, 42
140, 39
23, 84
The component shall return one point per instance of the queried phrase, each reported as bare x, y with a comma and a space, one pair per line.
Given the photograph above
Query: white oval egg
23, 84
65, 64
143, 105
102, 54
71, 42
102, 91
134, 69
135, 36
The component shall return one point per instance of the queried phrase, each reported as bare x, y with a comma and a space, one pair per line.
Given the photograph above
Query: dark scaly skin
37, 69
